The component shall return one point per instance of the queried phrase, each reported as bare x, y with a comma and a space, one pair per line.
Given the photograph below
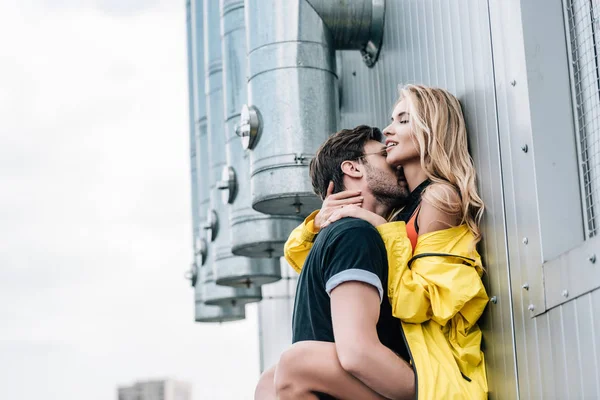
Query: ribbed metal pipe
223, 260
253, 234
292, 81
203, 313
354, 25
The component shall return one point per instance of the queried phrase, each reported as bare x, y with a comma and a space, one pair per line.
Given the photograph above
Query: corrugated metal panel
447, 44
557, 350
275, 316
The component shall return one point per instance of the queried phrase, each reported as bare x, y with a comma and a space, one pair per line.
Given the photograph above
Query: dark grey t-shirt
348, 250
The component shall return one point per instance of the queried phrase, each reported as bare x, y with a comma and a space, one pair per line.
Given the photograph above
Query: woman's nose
386, 131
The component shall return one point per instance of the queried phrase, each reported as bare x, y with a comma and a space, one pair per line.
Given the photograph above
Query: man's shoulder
349, 223
348, 229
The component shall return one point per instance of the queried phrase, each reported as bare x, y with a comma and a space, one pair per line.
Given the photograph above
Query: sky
95, 207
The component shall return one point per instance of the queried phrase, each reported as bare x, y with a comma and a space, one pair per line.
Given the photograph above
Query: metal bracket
192, 274
228, 185
212, 225
572, 274
249, 127
370, 53
300, 158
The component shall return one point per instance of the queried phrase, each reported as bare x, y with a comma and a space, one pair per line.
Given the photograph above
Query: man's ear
352, 168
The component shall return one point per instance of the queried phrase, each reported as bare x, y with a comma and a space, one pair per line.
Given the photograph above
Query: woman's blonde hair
438, 125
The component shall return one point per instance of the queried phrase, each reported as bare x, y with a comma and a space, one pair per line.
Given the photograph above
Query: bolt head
565, 293
531, 307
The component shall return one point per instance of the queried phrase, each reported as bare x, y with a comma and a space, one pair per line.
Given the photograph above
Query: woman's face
401, 144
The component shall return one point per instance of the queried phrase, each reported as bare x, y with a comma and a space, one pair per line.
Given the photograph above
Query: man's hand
335, 202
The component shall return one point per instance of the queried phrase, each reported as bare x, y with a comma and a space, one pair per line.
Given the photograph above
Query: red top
412, 228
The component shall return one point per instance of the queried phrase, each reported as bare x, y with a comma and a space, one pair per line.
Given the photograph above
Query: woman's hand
355, 212
334, 202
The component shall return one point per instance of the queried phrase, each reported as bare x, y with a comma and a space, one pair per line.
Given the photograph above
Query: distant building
156, 390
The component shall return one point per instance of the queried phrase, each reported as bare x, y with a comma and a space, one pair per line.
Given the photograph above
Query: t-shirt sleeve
356, 253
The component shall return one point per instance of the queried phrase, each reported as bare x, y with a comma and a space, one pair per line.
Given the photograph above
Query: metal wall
447, 44
557, 346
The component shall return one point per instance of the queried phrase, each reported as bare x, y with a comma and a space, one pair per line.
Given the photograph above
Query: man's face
385, 182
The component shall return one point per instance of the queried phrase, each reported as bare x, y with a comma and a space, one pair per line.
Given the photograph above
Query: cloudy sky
95, 207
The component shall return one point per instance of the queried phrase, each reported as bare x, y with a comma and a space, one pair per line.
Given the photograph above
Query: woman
435, 272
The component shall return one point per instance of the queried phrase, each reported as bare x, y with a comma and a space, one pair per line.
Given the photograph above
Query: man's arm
355, 312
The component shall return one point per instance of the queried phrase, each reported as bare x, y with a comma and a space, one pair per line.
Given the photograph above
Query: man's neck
370, 203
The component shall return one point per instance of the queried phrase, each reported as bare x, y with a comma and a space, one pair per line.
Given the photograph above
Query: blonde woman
434, 284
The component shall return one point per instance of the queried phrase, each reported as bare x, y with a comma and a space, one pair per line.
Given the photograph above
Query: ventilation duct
291, 89
225, 264
253, 234
203, 312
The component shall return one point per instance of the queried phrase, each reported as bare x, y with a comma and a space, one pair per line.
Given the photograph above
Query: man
342, 290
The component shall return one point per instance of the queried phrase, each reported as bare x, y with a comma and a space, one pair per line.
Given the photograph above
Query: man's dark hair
345, 145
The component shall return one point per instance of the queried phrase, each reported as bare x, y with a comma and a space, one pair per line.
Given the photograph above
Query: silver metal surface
228, 268
253, 234
574, 272
207, 313
357, 24
245, 272
249, 127
198, 160
583, 36
226, 296
292, 84
529, 48
211, 226
228, 185
275, 317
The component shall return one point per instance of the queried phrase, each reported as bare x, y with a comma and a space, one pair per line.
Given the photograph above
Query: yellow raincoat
438, 295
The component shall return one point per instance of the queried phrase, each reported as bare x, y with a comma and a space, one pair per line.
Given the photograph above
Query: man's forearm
382, 370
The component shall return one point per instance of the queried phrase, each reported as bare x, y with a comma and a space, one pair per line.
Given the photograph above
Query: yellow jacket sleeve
434, 287
300, 242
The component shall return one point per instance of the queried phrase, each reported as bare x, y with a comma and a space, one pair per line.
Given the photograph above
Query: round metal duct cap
226, 296
192, 274
212, 225
300, 204
228, 185
249, 126
204, 313
249, 273
257, 235
201, 250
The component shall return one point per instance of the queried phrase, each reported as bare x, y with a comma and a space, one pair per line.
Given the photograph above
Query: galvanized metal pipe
203, 313
291, 88
253, 234
223, 259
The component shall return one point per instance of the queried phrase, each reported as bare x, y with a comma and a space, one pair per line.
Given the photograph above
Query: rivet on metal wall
525, 148
531, 307
525, 240
592, 258
494, 300
514, 83
525, 286
565, 293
